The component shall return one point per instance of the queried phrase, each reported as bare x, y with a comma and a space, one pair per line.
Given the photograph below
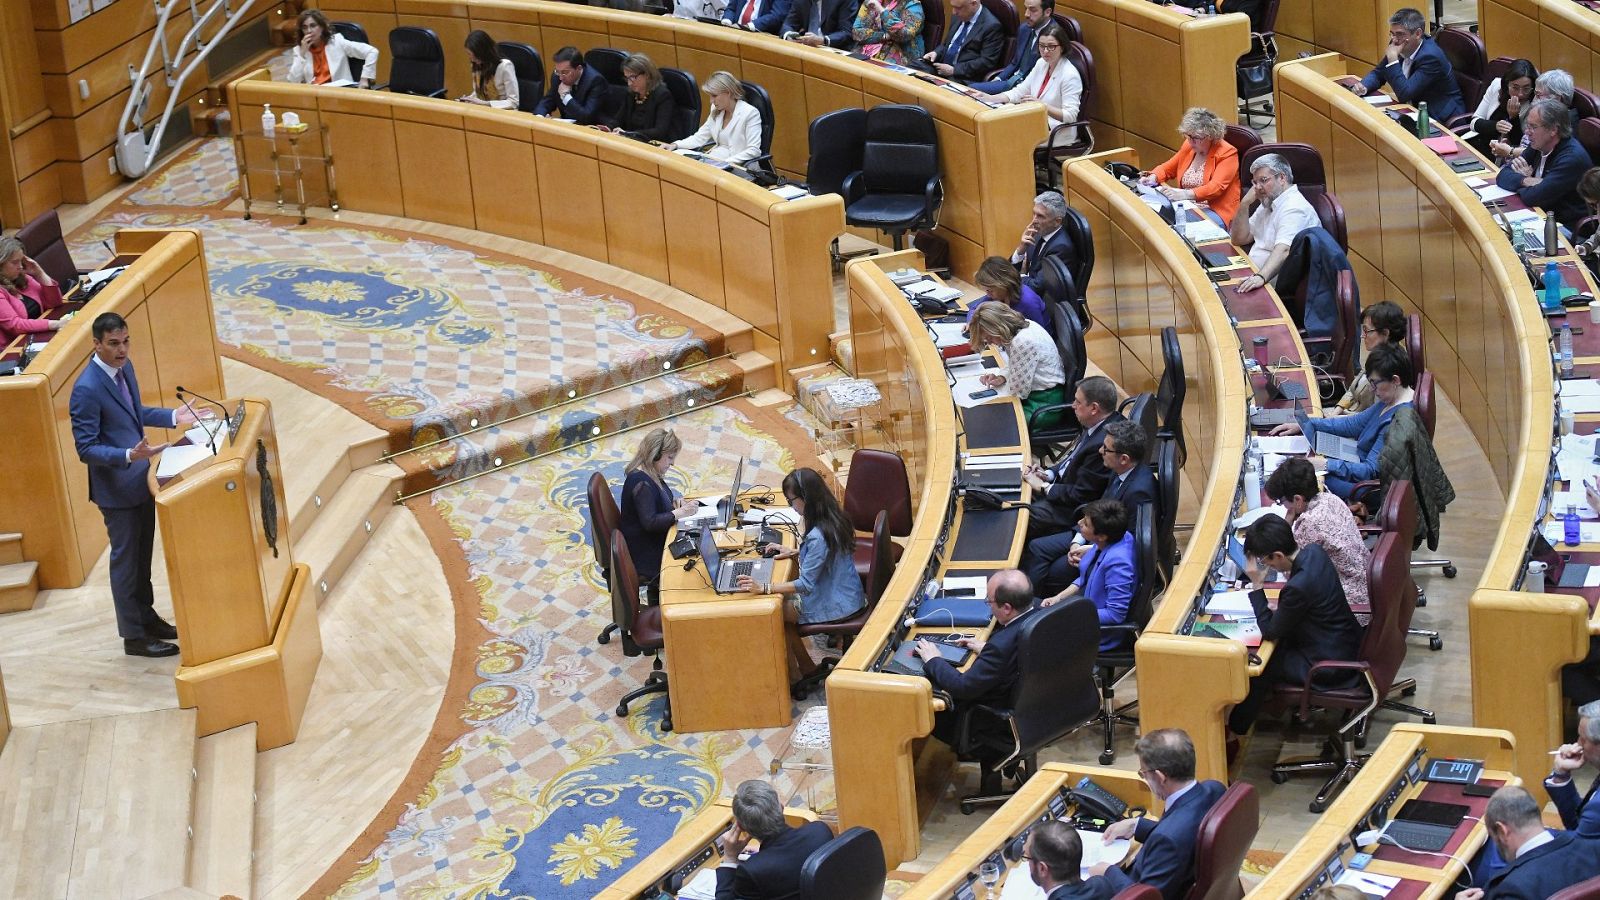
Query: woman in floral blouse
1319, 517
1033, 364
889, 30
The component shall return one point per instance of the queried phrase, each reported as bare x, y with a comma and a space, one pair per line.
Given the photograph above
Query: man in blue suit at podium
108, 423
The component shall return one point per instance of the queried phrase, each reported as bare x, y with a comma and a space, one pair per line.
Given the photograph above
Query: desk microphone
211, 434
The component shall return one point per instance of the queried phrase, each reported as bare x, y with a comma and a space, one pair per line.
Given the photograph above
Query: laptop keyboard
1418, 835
741, 569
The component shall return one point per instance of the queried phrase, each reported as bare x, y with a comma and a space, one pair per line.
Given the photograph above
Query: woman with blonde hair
1034, 373
648, 510
1206, 166
1001, 281
323, 55
732, 131
26, 291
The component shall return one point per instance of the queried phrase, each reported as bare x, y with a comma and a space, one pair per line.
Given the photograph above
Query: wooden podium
246, 622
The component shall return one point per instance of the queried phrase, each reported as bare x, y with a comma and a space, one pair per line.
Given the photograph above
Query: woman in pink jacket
26, 291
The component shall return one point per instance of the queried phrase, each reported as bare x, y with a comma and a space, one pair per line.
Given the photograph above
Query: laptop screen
708, 552
731, 517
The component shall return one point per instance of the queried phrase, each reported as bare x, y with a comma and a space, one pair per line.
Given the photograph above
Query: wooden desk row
1555, 34
166, 298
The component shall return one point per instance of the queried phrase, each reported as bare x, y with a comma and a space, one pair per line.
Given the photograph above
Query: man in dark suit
973, 45
576, 91
1166, 852
1547, 176
990, 678
757, 15
1034, 14
1580, 815
1416, 68
1043, 237
822, 23
1054, 854
1051, 562
1082, 474
1312, 623
108, 423
773, 872
1542, 862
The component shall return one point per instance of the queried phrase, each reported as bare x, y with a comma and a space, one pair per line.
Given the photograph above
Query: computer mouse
768, 552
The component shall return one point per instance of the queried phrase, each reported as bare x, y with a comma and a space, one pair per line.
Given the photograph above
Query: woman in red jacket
26, 291
1206, 166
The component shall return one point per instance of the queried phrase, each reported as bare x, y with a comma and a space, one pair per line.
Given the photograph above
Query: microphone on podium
211, 433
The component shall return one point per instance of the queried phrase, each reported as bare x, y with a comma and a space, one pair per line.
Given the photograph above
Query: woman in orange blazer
1206, 166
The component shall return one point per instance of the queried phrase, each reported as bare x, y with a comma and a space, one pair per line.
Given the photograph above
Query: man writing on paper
108, 423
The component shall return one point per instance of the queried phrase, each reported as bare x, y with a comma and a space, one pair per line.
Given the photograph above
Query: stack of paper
1490, 193
1230, 603
948, 334
791, 191
1288, 445
930, 288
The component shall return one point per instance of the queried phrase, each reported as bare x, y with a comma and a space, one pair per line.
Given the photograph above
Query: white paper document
1249, 518
703, 886
978, 584
949, 334
964, 389
1579, 403
1492, 192
791, 191
1560, 500
1368, 883
178, 458
1230, 603
1378, 99
1285, 445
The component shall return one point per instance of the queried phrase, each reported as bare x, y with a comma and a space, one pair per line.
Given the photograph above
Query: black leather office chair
1055, 283
836, 140
849, 867
1143, 409
932, 25
1045, 441
1081, 264
1253, 70
607, 61
350, 31
640, 628
416, 62
1054, 695
1108, 663
1169, 487
1171, 390
530, 73
898, 188
1069, 139
757, 96
686, 94
41, 239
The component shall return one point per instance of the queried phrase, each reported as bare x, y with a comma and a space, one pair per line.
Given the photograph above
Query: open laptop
724, 576
726, 512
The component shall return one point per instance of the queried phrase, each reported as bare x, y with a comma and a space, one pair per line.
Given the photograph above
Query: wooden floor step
19, 586
220, 862
346, 522
10, 548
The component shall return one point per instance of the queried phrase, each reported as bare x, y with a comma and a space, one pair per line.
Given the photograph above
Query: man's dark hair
1387, 361
1101, 391
1109, 518
1386, 316
1129, 439
105, 323
572, 56
1169, 751
1268, 535
1058, 847
1295, 477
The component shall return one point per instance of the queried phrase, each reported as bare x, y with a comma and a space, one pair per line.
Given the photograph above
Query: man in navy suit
757, 15
1034, 14
1081, 475
990, 678
1550, 181
1166, 853
1542, 862
973, 45
1051, 562
1416, 68
1578, 815
822, 23
1043, 237
1054, 854
576, 91
773, 872
108, 423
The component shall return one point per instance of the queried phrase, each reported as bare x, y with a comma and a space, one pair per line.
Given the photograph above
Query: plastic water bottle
1566, 349
1552, 289
1252, 477
1422, 120
1519, 243
1569, 524
1211, 8
269, 123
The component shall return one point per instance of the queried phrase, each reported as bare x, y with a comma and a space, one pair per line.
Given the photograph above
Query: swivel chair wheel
1280, 777
967, 808
605, 633
799, 691
1430, 720
622, 711
1318, 806
1449, 571
1361, 742
666, 723
1435, 643
1409, 692
1107, 757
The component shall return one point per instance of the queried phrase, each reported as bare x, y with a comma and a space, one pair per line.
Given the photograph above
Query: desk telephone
1094, 801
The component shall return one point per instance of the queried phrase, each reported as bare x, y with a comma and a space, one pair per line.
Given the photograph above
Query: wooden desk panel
727, 664
1358, 29
1554, 34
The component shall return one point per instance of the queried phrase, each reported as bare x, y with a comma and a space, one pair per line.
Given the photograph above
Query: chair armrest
1459, 124
1328, 665
762, 162
437, 95
853, 189
1072, 422
376, 86
933, 194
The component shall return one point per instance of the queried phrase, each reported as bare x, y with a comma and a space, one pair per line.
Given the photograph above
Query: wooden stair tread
10, 548
341, 530
19, 586
224, 813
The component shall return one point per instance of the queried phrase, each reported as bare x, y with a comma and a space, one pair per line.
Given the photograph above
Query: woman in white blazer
732, 132
323, 56
494, 78
1053, 81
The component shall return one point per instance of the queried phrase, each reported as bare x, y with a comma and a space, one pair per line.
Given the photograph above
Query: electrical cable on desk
689, 566
1378, 837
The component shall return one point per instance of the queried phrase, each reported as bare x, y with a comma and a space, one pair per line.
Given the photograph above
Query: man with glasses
1034, 14
1283, 212
576, 92
1416, 68
1166, 852
1081, 475
1054, 854
973, 46
1051, 563
1547, 176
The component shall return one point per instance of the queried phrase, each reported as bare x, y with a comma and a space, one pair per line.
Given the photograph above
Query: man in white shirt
1282, 214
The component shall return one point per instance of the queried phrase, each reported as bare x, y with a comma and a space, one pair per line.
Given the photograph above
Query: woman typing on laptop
648, 512
827, 588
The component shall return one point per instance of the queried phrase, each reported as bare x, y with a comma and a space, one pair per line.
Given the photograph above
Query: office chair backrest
1073, 29
1267, 21
1414, 343
1243, 140
1055, 690
41, 239
1147, 564
1138, 892
416, 61
1006, 12
849, 867
1468, 59
1424, 401
350, 31
1173, 386
1083, 60
757, 96
624, 592
1304, 161
1587, 132
530, 73
901, 151
1142, 408
1585, 104
1057, 285
1398, 512
1330, 213
932, 25
836, 140
607, 62
1076, 225
1583, 890
1346, 338
878, 483
1389, 585
1224, 839
1169, 485
603, 519
1070, 344
882, 567
685, 93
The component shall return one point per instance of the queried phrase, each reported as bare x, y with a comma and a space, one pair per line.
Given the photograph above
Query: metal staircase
137, 144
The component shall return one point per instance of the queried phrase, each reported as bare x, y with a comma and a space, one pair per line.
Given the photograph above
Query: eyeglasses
1368, 329
1048, 45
